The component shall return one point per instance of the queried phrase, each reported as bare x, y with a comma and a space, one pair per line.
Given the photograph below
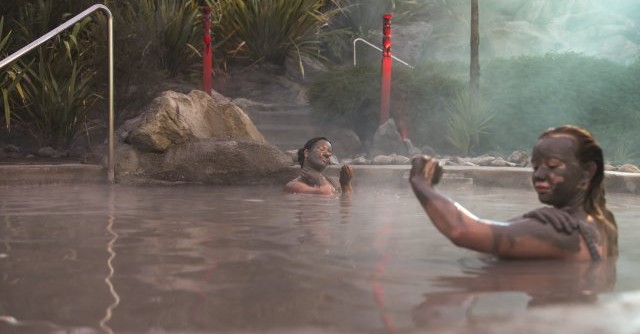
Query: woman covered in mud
314, 158
568, 174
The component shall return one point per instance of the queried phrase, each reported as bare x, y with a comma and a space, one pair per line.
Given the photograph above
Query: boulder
174, 118
387, 140
196, 138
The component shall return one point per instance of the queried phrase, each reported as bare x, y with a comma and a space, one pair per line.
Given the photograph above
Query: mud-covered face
319, 156
558, 177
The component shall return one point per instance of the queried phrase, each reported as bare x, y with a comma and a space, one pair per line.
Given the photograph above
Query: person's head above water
569, 169
568, 174
314, 157
316, 153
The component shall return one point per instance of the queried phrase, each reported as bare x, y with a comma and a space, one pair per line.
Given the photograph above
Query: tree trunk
474, 67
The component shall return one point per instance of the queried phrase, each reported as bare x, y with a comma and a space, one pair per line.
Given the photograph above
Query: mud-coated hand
427, 169
561, 221
346, 173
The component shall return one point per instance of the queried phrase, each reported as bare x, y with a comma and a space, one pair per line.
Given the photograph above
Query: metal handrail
59, 29
377, 48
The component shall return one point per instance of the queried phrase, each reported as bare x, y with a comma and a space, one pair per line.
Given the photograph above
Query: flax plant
177, 27
466, 122
270, 31
9, 77
59, 92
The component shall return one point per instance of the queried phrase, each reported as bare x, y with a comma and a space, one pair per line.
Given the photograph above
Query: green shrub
56, 89
467, 123
271, 30
9, 76
350, 97
58, 93
531, 94
363, 18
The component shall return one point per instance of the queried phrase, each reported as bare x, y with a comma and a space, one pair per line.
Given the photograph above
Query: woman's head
316, 152
571, 155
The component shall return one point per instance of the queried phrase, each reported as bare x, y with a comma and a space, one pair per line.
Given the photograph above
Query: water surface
200, 259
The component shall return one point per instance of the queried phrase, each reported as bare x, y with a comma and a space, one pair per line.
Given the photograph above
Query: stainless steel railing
59, 29
377, 48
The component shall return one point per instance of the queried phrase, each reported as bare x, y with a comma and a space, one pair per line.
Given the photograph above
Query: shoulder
530, 238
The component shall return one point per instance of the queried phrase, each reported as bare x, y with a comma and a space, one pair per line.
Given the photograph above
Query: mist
509, 28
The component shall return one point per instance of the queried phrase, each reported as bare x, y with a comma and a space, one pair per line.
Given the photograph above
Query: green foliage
9, 76
57, 90
467, 123
171, 29
350, 97
271, 30
531, 94
58, 102
363, 18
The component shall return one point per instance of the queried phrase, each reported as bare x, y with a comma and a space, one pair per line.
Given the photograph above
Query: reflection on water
530, 284
204, 259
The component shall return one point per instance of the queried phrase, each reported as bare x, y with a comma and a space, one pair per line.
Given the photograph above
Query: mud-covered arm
524, 238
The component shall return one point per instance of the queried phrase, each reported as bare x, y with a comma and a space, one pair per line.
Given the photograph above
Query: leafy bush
271, 30
58, 93
363, 18
350, 97
467, 123
9, 77
531, 94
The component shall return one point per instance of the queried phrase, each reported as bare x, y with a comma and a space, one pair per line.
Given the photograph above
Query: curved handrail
59, 29
359, 39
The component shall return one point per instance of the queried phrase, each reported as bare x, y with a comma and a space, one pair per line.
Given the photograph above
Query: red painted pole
207, 57
385, 97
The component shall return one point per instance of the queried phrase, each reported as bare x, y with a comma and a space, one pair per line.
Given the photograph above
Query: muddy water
196, 259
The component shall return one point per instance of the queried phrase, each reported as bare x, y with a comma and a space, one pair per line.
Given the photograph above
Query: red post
207, 57
385, 97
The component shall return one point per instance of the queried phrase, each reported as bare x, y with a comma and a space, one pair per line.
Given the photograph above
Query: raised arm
519, 238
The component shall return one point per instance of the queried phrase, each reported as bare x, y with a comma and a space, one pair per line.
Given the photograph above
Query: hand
561, 221
346, 173
425, 169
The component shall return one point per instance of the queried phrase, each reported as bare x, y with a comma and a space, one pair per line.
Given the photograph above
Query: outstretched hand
561, 221
425, 169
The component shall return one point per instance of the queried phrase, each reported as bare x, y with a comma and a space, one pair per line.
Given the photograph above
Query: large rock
196, 138
174, 118
209, 161
387, 140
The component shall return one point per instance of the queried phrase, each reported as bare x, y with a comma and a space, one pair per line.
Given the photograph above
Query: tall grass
467, 122
58, 92
9, 77
270, 31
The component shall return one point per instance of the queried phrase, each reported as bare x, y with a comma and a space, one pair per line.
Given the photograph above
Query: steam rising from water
524, 27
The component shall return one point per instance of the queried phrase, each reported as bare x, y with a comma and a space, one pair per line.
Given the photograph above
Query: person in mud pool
314, 157
568, 174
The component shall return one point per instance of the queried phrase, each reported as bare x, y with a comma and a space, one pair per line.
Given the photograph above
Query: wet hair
308, 146
588, 151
